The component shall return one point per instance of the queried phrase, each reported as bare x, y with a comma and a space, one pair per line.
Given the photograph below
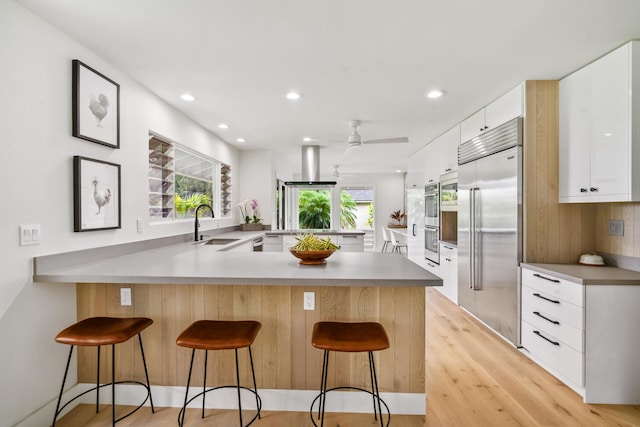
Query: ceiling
371, 60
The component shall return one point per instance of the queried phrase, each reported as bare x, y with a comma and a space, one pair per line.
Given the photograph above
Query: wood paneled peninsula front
180, 283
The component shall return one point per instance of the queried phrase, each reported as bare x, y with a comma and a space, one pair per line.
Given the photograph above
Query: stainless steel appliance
490, 227
432, 244
431, 205
432, 222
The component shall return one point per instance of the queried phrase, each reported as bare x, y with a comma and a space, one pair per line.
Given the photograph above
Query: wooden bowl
312, 257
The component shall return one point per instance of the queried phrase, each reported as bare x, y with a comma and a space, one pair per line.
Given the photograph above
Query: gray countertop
187, 262
588, 275
318, 232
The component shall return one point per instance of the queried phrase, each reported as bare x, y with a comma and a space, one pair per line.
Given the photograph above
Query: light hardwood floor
473, 379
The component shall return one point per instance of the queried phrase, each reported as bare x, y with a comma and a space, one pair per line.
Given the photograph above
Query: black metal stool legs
374, 387
146, 373
66, 370
204, 382
255, 387
238, 387
186, 393
375, 392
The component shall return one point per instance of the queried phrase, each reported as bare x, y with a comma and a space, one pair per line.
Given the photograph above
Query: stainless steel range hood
310, 169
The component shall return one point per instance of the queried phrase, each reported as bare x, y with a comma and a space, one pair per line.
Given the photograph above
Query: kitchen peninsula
179, 283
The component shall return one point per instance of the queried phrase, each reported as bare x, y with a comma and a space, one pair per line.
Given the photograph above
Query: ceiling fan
355, 140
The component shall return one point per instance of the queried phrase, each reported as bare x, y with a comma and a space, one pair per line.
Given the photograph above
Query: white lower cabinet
449, 271
585, 335
282, 242
351, 242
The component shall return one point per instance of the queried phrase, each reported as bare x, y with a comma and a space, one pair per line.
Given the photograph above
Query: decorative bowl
312, 257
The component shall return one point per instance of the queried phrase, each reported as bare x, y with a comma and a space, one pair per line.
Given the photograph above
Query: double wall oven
432, 222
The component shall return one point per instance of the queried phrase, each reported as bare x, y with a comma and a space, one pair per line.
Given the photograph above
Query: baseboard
272, 400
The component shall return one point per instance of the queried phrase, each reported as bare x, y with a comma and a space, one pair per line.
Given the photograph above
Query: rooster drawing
99, 107
101, 197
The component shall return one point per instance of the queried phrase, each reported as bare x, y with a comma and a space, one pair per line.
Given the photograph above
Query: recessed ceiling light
307, 139
240, 140
398, 171
187, 97
293, 96
223, 126
436, 93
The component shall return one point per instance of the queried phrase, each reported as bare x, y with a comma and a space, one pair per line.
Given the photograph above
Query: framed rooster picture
95, 105
96, 194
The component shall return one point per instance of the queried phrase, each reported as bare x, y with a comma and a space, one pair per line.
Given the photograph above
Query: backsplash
628, 244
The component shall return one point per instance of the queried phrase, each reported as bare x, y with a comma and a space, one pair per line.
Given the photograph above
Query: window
181, 179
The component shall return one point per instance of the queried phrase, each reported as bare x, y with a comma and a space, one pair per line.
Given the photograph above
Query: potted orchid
249, 212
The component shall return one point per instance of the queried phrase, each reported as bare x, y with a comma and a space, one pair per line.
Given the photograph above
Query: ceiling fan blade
386, 140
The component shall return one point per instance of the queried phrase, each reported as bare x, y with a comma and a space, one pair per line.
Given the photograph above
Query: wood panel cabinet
599, 130
508, 106
585, 335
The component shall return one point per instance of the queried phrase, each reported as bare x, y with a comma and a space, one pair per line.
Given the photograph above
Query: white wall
36, 175
257, 181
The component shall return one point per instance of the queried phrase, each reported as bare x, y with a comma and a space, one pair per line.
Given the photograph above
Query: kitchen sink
220, 241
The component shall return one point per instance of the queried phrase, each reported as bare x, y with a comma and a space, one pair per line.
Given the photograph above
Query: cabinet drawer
554, 286
554, 306
349, 239
548, 323
558, 356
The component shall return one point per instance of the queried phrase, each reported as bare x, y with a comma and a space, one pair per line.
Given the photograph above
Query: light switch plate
616, 227
29, 234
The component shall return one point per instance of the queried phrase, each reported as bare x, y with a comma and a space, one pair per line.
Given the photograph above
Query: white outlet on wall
125, 296
309, 300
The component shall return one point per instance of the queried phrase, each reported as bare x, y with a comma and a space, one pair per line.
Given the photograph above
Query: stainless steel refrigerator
490, 227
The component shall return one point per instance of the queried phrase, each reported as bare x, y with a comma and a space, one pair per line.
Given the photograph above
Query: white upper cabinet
441, 155
599, 155
507, 107
416, 169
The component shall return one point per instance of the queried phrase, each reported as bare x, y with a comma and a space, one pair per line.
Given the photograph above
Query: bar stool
98, 331
219, 335
349, 337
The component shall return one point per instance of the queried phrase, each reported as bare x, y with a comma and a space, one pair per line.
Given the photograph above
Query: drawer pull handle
445, 246
546, 278
555, 322
545, 338
351, 237
546, 299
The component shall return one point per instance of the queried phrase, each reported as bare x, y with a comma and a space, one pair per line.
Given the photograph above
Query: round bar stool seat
220, 335
99, 331
352, 337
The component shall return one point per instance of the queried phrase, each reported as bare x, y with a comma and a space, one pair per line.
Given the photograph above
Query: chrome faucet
197, 224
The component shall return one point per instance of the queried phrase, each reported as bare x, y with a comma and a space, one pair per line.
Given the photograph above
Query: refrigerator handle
471, 237
413, 230
474, 233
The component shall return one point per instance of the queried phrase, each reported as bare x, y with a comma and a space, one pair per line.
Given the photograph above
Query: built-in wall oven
432, 222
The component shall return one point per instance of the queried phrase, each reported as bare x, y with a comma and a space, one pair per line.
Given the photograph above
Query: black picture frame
96, 195
95, 106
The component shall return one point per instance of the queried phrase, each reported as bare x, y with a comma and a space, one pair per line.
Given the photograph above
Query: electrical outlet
125, 296
309, 300
139, 225
616, 227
